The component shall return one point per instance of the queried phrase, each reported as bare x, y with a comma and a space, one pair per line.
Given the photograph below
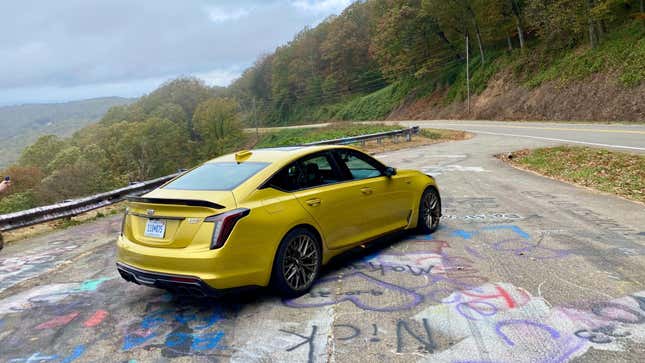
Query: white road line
561, 140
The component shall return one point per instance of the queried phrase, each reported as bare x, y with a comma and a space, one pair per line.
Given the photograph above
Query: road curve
523, 269
621, 137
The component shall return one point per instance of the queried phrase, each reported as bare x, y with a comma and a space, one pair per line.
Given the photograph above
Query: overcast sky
54, 51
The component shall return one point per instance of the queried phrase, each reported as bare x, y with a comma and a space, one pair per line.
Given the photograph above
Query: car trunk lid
173, 218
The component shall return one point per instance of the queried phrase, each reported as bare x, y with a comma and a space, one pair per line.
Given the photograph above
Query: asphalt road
621, 137
523, 269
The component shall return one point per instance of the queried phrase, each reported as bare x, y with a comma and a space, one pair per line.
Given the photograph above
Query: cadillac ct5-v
268, 217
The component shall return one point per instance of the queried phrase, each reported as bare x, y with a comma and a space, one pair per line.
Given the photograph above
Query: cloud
219, 15
322, 6
220, 77
58, 50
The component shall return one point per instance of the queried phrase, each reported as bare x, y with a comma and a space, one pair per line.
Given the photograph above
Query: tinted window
359, 166
317, 170
286, 179
311, 171
216, 176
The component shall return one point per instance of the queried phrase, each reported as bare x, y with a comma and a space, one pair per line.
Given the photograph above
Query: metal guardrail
407, 133
75, 207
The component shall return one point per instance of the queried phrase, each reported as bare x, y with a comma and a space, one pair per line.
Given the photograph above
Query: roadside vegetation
21, 125
285, 137
608, 171
290, 137
379, 55
179, 125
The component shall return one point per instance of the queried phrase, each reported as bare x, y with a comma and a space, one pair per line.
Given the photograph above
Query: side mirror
389, 171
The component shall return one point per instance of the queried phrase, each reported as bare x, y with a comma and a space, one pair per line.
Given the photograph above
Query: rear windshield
216, 176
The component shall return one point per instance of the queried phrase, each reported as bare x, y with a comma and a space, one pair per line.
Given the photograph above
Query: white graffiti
501, 322
438, 170
46, 294
20, 268
493, 217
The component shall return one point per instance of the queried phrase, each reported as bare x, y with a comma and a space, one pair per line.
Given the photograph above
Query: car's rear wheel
297, 262
429, 211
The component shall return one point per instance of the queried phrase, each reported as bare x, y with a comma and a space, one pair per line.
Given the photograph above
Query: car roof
279, 154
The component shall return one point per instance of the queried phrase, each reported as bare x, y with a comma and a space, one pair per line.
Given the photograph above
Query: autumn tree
40, 153
218, 125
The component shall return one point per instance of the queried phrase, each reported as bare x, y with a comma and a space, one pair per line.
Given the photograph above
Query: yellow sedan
268, 217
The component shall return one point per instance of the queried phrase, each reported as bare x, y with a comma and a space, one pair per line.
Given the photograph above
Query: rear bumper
175, 283
223, 269
179, 284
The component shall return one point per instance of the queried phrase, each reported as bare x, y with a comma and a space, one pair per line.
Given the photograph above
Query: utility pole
257, 122
468, 72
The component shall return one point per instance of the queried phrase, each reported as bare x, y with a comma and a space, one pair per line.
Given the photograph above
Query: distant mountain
22, 125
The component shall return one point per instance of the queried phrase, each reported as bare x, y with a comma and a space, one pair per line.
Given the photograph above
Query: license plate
155, 228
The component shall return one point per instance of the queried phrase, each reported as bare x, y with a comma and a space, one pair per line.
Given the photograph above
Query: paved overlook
523, 269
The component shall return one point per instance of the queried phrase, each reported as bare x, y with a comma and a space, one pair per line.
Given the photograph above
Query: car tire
429, 211
297, 262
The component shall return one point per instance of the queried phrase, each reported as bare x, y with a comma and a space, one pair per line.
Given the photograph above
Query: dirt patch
597, 98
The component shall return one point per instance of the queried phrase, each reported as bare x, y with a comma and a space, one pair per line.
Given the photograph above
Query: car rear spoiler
190, 202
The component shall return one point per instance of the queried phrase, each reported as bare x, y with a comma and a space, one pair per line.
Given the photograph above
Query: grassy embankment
285, 137
300, 136
614, 172
621, 54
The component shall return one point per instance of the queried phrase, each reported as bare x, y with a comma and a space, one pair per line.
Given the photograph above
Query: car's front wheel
297, 262
429, 211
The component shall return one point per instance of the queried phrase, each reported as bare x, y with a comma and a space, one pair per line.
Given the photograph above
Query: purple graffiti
564, 357
498, 328
413, 299
600, 309
473, 252
461, 309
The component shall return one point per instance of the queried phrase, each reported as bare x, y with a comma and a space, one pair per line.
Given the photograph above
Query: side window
359, 166
308, 172
286, 179
316, 170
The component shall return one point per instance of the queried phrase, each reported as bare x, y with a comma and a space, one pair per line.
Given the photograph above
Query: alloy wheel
300, 263
429, 210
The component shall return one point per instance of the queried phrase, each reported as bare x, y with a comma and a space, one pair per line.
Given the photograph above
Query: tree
40, 153
410, 42
217, 122
517, 7
23, 178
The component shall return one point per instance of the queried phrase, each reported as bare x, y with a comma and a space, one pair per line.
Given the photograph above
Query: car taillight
125, 215
224, 224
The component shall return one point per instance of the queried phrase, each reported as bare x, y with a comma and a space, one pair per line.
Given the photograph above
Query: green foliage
176, 126
40, 153
217, 122
623, 51
350, 66
480, 74
299, 136
22, 125
374, 106
434, 135
17, 202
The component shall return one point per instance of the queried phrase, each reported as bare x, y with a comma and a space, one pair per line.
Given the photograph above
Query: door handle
367, 191
313, 202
